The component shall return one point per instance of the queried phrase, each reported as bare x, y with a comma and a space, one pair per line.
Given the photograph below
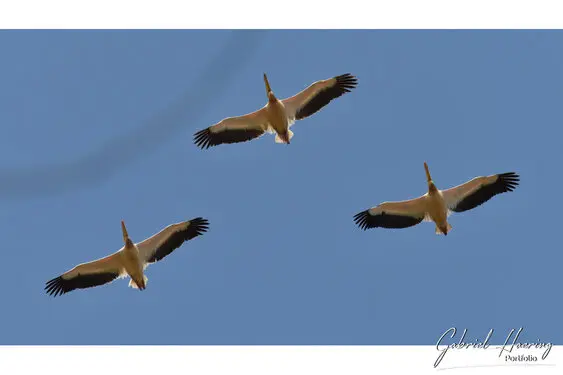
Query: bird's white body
437, 211
279, 120
134, 266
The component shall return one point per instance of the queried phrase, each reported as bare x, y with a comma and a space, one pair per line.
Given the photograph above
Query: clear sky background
97, 127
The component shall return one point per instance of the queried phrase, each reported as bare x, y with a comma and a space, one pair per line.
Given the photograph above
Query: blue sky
98, 126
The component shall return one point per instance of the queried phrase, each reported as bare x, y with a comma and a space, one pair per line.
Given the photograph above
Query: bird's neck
130, 247
432, 189
272, 98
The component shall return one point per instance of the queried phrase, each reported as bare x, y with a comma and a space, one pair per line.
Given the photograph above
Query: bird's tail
134, 285
439, 231
289, 136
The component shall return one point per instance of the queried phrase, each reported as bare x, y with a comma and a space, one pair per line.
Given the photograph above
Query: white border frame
289, 14
292, 14
263, 360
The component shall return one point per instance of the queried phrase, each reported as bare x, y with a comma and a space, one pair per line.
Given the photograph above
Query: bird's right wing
87, 275
170, 238
402, 214
233, 130
318, 95
479, 190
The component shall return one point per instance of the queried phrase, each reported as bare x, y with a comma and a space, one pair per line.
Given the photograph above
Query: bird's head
431, 185
126, 238
269, 92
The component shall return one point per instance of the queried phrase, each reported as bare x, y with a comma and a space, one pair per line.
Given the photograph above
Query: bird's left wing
401, 214
87, 275
170, 238
318, 95
233, 130
479, 190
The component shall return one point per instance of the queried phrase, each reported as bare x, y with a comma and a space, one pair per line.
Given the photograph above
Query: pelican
437, 205
131, 260
277, 116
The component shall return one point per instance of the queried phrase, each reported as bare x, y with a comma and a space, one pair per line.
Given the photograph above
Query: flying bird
131, 260
277, 116
437, 205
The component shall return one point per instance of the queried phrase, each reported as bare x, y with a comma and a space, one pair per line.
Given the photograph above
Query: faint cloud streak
126, 149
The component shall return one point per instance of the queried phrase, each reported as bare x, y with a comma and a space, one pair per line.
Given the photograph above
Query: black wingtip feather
202, 138
361, 219
54, 287
347, 80
198, 226
509, 180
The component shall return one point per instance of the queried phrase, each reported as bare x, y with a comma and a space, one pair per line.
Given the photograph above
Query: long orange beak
124, 230
268, 88
427, 172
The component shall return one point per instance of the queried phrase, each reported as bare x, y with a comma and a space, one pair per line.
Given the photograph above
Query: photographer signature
505, 348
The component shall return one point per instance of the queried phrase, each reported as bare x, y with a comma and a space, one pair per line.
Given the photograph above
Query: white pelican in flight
131, 260
437, 205
277, 116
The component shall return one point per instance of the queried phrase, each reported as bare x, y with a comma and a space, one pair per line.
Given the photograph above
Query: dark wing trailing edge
206, 138
382, 220
197, 227
344, 83
505, 182
60, 285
